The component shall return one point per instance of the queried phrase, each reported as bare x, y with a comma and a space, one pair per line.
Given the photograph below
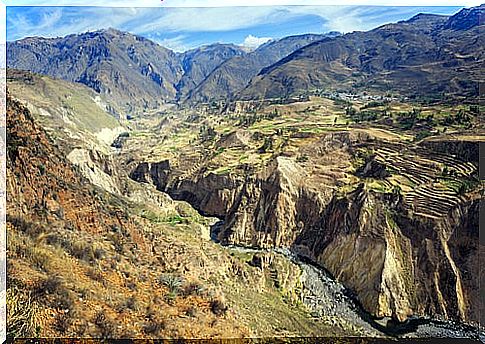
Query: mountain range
425, 55
416, 57
136, 74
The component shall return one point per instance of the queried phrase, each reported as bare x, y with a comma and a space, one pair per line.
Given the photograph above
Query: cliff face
398, 264
273, 208
402, 252
83, 263
43, 185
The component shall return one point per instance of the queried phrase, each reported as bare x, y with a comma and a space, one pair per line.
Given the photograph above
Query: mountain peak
424, 16
466, 18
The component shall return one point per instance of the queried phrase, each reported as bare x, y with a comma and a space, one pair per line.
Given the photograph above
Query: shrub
29, 228
171, 297
41, 168
154, 327
95, 274
132, 303
63, 322
39, 258
191, 311
267, 146
302, 158
99, 253
172, 282
51, 285
423, 134
193, 288
24, 313
83, 250
218, 307
105, 325
64, 300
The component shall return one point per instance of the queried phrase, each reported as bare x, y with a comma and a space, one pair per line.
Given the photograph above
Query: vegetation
150, 267
24, 314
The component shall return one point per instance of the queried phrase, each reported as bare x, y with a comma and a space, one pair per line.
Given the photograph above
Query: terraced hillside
432, 183
85, 260
334, 181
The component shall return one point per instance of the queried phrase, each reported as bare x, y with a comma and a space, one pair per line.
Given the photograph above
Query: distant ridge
425, 56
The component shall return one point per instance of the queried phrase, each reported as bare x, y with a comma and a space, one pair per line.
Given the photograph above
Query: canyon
315, 186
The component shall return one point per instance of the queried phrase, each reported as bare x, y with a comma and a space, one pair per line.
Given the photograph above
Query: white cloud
172, 27
176, 43
253, 42
360, 18
210, 19
60, 21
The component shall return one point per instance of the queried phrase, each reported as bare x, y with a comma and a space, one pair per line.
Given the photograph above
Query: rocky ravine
398, 260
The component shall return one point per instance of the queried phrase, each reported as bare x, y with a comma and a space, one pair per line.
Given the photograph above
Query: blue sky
184, 28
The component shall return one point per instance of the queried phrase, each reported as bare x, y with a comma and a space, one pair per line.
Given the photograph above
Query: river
331, 301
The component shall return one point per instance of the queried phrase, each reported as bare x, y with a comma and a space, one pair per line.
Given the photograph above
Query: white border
144, 3
230, 3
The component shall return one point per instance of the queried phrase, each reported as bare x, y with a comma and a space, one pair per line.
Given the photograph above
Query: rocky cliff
402, 252
40, 178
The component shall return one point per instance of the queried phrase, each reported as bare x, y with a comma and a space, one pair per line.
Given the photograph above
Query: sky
183, 28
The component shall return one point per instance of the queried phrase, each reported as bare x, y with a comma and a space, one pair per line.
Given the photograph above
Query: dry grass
24, 314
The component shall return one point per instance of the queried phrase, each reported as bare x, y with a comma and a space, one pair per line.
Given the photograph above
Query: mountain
466, 18
135, 74
73, 247
234, 74
132, 72
405, 249
199, 63
344, 215
76, 117
427, 55
72, 113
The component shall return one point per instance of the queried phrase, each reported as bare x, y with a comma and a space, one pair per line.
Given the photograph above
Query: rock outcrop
42, 185
398, 262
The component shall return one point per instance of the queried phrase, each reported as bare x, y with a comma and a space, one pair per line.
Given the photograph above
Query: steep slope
199, 63
234, 74
70, 112
392, 227
132, 72
40, 178
75, 253
427, 55
76, 118
85, 263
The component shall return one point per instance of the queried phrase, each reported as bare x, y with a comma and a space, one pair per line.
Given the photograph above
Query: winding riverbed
329, 300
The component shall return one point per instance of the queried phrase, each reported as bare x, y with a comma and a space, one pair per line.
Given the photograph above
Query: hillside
72, 113
132, 72
387, 213
135, 74
317, 186
425, 56
199, 63
85, 262
428, 56
231, 76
